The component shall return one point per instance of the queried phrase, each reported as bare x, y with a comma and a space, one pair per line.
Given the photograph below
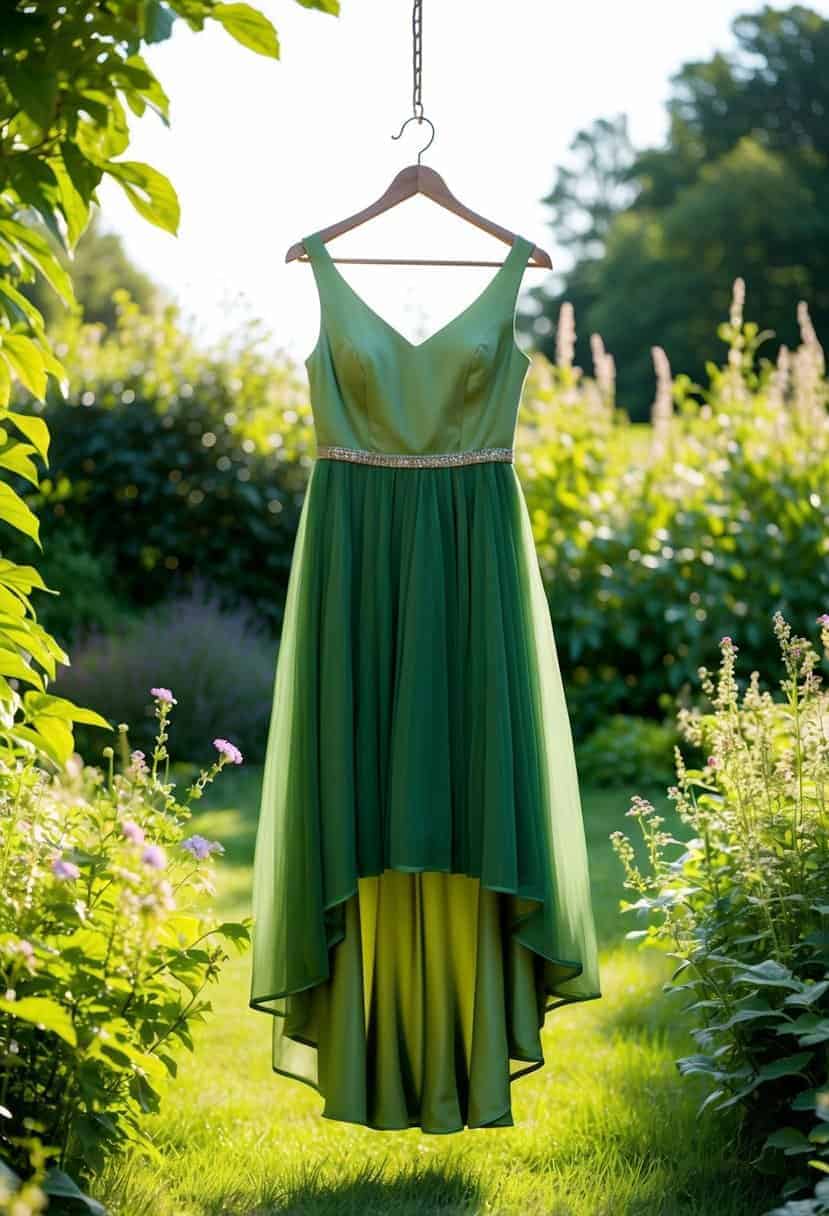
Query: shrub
150, 459
626, 749
221, 660
105, 951
655, 541
743, 907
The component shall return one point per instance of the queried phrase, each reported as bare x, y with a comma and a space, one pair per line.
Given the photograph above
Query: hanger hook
419, 118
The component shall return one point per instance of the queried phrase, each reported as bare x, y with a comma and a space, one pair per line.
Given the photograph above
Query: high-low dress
421, 894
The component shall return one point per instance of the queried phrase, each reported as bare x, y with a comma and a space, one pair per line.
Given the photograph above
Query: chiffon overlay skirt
421, 896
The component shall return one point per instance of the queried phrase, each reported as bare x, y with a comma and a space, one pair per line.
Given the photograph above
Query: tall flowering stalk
744, 906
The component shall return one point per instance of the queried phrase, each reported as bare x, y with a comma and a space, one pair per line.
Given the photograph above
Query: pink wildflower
61, 868
230, 750
132, 831
154, 856
163, 694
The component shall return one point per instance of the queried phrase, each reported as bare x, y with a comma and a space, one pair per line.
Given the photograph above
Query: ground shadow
448, 1189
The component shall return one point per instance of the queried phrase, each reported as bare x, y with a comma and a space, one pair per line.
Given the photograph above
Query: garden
152, 486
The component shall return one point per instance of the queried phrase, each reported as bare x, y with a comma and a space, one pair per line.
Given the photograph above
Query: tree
741, 188
68, 73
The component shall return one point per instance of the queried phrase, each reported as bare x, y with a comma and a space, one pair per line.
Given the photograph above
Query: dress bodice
373, 390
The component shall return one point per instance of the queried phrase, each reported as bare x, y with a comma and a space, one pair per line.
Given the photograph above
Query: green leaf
44, 704
790, 1140
46, 1014
33, 740
24, 309
149, 191
145, 85
24, 358
248, 26
323, 6
5, 383
35, 90
35, 430
75, 208
158, 21
16, 459
35, 249
15, 513
61, 1186
56, 736
769, 974
21, 577
809, 994
13, 664
786, 1066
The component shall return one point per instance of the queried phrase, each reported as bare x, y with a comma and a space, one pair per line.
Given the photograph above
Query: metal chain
417, 58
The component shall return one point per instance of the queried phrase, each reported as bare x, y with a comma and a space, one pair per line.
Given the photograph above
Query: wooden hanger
418, 179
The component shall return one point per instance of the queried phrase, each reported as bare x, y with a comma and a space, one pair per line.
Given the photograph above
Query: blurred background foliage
657, 235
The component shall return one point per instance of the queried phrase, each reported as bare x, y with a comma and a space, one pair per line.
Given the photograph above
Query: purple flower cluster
200, 847
230, 750
164, 695
154, 857
61, 868
132, 831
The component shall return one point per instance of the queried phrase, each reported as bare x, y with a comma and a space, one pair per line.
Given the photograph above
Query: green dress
421, 894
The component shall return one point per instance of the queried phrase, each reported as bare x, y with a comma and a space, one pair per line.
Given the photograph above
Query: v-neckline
418, 346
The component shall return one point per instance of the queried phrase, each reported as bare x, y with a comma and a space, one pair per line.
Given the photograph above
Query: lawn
606, 1128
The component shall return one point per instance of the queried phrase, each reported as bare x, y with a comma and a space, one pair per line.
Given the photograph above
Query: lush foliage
221, 660
105, 950
654, 544
744, 905
152, 462
625, 749
68, 73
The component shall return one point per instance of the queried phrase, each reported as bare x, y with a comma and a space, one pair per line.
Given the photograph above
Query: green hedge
653, 542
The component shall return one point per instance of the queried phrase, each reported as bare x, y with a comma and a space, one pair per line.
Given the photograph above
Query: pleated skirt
421, 895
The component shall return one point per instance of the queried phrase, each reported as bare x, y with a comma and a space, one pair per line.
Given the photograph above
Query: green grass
606, 1128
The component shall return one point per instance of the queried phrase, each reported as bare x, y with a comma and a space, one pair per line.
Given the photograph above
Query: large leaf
149, 191
16, 459
14, 665
248, 26
60, 1186
24, 309
75, 207
45, 704
158, 21
144, 88
21, 577
35, 430
786, 1066
48, 1015
32, 740
36, 250
13, 511
26, 360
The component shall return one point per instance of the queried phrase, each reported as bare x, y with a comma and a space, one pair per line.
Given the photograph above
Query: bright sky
263, 152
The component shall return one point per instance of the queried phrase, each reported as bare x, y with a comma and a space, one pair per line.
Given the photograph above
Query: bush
222, 661
655, 541
149, 458
626, 749
743, 907
104, 951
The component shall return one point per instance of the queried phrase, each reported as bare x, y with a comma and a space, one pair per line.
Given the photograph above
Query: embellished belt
418, 461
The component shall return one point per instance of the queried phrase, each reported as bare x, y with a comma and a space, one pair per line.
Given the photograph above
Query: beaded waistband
418, 461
